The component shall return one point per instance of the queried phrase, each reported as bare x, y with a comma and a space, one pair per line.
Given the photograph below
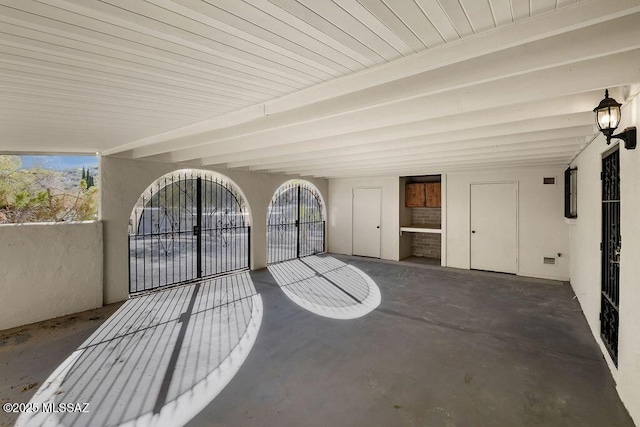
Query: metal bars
187, 225
295, 223
611, 246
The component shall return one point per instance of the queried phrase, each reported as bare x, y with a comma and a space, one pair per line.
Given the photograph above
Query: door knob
473, 231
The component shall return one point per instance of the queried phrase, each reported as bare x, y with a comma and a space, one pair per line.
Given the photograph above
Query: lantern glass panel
608, 118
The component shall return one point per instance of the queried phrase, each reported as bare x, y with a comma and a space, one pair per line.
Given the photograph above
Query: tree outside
37, 194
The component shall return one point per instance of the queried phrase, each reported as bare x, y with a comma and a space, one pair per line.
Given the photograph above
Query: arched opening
295, 222
187, 225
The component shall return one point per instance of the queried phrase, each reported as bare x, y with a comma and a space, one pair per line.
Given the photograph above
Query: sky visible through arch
59, 162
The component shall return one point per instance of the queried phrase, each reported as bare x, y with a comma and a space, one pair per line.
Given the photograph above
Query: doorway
186, 226
494, 227
295, 222
611, 245
367, 203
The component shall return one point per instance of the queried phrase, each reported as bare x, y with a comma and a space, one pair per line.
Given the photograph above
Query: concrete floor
445, 347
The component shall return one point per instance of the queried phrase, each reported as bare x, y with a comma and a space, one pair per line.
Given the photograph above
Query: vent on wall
549, 180
549, 260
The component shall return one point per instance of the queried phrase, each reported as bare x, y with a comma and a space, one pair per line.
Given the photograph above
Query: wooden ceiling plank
457, 16
96, 25
35, 91
113, 20
59, 70
339, 17
309, 36
51, 57
479, 14
320, 54
148, 68
415, 19
363, 15
185, 29
302, 12
520, 9
41, 102
542, 6
501, 10
436, 14
380, 10
87, 89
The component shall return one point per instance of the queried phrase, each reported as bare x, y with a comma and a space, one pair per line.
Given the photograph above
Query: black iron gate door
187, 226
611, 244
295, 224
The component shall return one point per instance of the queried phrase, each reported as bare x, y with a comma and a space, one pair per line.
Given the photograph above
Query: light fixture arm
628, 136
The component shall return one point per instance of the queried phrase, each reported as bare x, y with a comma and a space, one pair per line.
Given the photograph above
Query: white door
494, 227
366, 221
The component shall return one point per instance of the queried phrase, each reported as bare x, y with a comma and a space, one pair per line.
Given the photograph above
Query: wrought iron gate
295, 225
186, 226
611, 243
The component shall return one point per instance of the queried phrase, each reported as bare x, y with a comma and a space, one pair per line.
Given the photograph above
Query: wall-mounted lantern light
608, 118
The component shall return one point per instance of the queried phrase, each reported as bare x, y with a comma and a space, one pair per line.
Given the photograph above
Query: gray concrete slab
445, 347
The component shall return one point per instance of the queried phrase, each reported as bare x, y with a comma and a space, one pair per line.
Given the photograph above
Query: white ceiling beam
511, 133
567, 126
427, 152
458, 158
427, 168
355, 142
571, 18
437, 78
580, 125
614, 70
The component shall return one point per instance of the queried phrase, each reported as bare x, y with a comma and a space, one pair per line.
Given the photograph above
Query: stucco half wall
49, 270
124, 180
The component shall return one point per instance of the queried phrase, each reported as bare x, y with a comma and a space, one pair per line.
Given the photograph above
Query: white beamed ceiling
327, 88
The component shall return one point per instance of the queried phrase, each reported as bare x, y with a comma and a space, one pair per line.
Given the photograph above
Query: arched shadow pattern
327, 287
160, 359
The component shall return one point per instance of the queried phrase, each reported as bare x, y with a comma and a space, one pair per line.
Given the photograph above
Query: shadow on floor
158, 360
327, 287
445, 347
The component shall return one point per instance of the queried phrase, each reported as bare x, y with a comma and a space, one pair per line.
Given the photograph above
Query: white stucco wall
340, 218
585, 237
124, 180
542, 231
49, 270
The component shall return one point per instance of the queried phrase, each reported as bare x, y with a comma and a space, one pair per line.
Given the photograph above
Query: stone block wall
426, 244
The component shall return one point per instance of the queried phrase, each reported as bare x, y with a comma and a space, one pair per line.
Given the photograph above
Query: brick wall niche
426, 244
